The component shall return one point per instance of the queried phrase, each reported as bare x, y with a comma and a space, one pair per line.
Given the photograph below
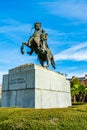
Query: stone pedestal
33, 86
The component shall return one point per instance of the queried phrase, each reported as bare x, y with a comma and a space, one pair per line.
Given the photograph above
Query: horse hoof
22, 50
28, 53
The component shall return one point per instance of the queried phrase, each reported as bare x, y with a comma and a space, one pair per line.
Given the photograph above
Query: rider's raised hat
43, 31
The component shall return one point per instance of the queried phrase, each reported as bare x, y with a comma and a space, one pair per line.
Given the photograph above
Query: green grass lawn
72, 118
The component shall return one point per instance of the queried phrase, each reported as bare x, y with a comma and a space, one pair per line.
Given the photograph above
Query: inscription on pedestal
17, 81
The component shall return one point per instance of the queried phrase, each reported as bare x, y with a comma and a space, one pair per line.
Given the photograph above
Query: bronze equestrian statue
38, 44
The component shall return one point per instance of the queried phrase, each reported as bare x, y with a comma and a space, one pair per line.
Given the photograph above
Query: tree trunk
74, 98
83, 99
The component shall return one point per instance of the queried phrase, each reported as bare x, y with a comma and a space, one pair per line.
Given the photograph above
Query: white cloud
77, 53
12, 58
76, 74
15, 28
9, 22
68, 9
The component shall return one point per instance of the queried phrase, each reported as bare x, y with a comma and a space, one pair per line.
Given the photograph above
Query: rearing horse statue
37, 43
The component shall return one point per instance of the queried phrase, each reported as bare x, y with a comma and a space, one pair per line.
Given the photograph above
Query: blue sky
65, 21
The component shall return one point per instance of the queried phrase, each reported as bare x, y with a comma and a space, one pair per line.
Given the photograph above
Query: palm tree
78, 91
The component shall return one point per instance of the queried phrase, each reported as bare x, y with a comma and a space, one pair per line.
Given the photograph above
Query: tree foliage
78, 90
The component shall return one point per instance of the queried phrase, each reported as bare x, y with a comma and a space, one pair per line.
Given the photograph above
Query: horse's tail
53, 62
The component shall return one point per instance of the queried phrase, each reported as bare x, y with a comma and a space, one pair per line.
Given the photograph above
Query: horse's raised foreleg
30, 52
22, 47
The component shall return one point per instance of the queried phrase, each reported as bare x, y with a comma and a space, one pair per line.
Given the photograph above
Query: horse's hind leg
41, 62
48, 62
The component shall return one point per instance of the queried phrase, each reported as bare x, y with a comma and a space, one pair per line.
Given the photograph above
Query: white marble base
35, 87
